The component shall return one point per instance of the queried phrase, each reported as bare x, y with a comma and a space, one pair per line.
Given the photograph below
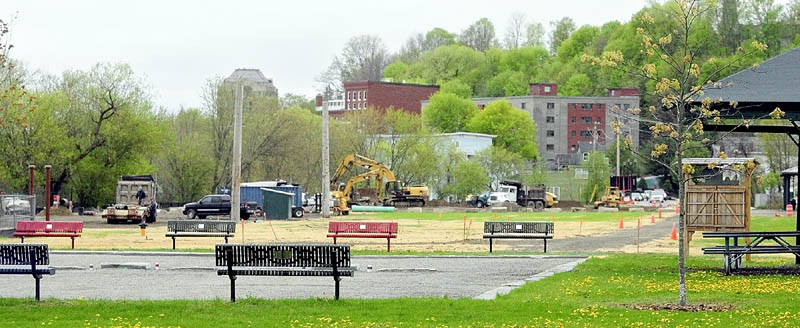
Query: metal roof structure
759, 90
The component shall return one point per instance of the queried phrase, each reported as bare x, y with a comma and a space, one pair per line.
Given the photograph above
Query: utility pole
326, 174
594, 138
618, 154
237, 153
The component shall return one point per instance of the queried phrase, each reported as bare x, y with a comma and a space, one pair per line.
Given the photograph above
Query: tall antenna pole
237, 152
326, 174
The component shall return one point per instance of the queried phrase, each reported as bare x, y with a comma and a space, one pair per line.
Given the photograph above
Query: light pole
326, 174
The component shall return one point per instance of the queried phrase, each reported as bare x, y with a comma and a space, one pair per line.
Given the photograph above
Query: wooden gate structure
718, 195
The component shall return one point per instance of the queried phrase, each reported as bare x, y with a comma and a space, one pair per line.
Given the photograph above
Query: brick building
381, 95
563, 123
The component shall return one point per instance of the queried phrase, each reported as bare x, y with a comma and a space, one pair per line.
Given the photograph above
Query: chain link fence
15, 208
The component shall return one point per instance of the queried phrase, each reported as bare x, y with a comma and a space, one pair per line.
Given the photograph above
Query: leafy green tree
438, 37
186, 167
578, 85
457, 88
642, 184
451, 62
508, 84
293, 100
562, 29
469, 178
447, 112
479, 36
629, 160
500, 164
514, 128
599, 176
396, 71
534, 35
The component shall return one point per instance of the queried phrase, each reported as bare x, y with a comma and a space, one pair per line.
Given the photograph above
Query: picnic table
732, 252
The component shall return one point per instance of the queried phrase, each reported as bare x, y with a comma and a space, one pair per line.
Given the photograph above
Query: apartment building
381, 95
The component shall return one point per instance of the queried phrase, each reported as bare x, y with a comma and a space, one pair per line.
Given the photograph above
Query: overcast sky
176, 45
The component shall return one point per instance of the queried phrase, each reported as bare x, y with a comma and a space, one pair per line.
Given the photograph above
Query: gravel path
192, 276
590, 244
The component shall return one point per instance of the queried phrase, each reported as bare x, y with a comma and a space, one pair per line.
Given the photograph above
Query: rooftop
776, 80
249, 74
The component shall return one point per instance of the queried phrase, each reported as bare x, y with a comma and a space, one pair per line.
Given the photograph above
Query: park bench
71, 229
732, 252
518, 230
32, 259
386, 230
314, 260
200, 228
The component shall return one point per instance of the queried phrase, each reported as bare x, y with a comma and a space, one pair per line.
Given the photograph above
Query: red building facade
382, 95
584, 121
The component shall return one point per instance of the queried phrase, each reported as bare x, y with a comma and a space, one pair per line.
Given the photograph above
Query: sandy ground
414, 235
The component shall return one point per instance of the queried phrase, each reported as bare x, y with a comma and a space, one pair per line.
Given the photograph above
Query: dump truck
511, 191
127, 207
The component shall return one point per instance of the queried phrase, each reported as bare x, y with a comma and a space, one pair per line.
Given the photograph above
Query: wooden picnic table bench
518, 230
32, 259
315, 260
71, 229
386, 230
732, 252
200, 228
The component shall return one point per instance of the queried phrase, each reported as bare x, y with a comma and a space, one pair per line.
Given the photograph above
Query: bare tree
515, 33
412, 48
562, 29
363, 58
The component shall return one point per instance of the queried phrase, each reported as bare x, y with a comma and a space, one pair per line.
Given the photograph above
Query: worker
140, 195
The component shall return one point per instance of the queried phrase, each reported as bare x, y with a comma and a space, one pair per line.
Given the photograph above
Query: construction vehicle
389, 191
611, 198
127, 207
527, 196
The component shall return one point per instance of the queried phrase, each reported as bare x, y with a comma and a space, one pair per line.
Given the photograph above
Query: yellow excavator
389, 191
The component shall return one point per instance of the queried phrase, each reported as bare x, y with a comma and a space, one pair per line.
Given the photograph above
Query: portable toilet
277, 204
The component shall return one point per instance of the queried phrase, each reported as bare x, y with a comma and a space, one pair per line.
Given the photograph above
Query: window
585, 157
586, 134
573, 133
551, 133
551, 105
551, 147
547, 88
359, 95
365, 94
599, 120
626, 106
551, 119
358, 105
612, 92
364, 105
522, 105
586, 120
573, 119
586, 106
348, 95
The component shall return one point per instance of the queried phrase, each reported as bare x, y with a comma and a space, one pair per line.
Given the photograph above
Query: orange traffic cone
652, 218
621, 224
674, 235
777, 214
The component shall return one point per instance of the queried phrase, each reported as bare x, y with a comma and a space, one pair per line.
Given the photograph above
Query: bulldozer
389, 193
611, 198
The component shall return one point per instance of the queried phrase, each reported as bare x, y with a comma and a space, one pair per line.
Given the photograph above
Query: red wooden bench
69, 229
386, 230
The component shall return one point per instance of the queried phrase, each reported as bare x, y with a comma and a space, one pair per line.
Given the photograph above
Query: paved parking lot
193, 277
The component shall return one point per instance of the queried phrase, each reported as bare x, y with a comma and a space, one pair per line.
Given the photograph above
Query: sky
175, 46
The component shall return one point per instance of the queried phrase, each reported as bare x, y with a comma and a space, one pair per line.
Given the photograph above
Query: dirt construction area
424, 235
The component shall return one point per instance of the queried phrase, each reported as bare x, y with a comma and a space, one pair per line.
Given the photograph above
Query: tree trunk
681, 244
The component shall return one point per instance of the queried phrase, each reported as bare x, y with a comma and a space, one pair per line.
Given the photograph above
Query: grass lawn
512, 216
757, 223
598, 293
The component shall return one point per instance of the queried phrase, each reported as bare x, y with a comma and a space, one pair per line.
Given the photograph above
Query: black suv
215, 205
